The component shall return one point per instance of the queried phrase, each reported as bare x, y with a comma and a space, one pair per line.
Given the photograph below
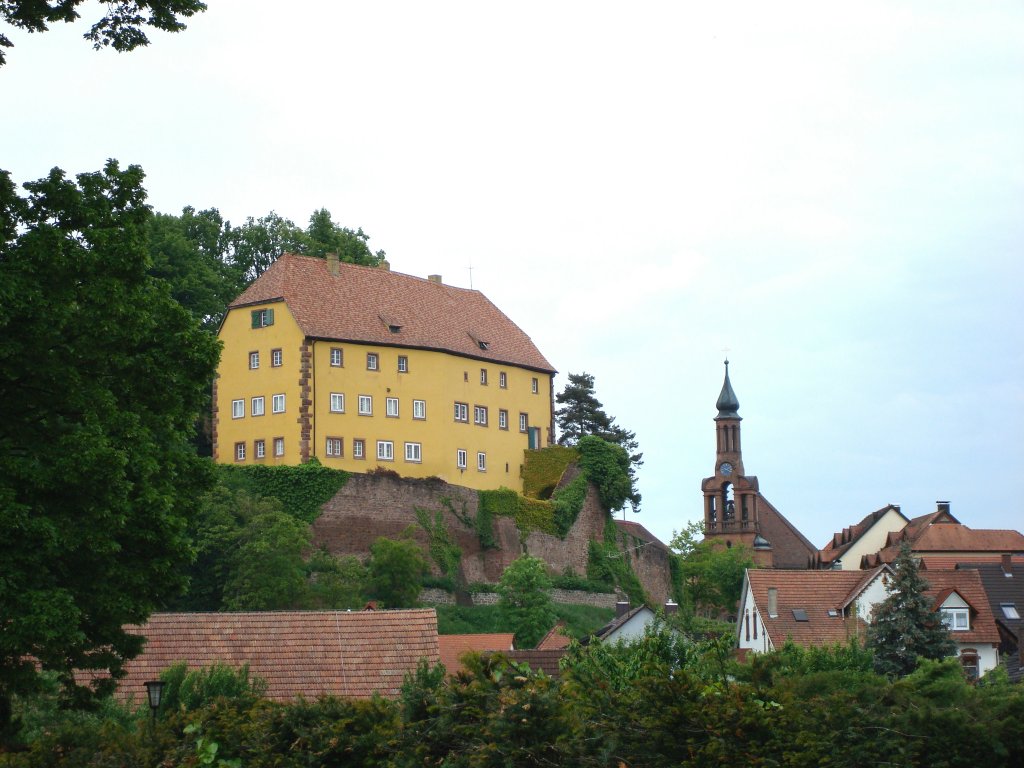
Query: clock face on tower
725, 468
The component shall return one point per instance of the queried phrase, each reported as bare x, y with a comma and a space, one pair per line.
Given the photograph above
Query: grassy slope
581, 620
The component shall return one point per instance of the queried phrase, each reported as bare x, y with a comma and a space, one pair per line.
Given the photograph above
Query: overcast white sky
834, 192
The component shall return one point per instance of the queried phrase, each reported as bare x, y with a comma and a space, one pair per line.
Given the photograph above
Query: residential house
354, 654
868, 536
453, 647
629, 624
735, 512
1004, 586
360, 368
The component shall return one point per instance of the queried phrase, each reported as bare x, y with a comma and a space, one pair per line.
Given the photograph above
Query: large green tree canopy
122, 28
102, 375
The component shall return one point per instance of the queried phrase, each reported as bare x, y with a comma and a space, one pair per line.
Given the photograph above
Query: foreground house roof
372, 305
453, 647
966, 583
299, 653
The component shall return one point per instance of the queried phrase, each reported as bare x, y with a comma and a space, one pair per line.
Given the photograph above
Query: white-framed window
277, 404
419, 409
502, 379
239, 451
480, 415
1010, 610
481, 462
337, 402
276, 358
403, 364
535, 385
391, 407
335, 446
254, 360
261, 318
502, 419
359, 448
413, 452
337, 357
279, 446
365, 405
524, 422
483, 376
461, 459
385, 450
956, 619
260, 449
237, 409
372, 361
258, 407
462, 412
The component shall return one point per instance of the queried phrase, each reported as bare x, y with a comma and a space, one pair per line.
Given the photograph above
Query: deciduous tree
102, 374
525, 601
396, 572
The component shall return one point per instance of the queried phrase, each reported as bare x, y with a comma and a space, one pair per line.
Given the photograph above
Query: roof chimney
942, 506
435, 279
621, 608
385, 265
332, 263
671, 606
773, 602
1007, 563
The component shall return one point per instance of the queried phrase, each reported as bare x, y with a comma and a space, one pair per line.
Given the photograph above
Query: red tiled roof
308, 653
790, 548
971, 560
554, 639
812, 591
966, 583
952, 537
637, 530
845, 539
452, 647
360, 303
539, 660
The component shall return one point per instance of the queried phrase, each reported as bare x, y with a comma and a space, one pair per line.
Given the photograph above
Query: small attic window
393, 325
833, 612
484, 345
394, 328
1010, 610
799, 614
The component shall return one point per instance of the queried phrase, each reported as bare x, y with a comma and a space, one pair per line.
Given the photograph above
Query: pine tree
904, 628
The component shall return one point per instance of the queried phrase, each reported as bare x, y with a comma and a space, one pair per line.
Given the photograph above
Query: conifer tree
904, 628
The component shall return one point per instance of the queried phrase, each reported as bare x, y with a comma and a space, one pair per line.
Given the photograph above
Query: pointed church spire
727, 403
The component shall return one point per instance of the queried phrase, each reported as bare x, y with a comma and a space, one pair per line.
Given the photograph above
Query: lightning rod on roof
470, 268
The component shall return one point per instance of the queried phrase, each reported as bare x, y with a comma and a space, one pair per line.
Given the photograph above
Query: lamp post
154, 692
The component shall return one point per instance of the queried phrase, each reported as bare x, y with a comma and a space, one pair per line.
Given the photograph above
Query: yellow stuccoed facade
358, 406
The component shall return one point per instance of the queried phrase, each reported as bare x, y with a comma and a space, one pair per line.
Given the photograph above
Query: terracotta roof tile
790, 548
349, 307
308, 653
539, 660
967, 583
555, 638
452, 647
845, 539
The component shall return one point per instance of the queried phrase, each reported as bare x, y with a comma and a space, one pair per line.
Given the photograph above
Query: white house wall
872, 540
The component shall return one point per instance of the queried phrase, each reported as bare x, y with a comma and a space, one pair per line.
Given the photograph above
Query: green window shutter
255, 318
269, 318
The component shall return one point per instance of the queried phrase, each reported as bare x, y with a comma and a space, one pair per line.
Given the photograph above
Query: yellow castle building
361, 367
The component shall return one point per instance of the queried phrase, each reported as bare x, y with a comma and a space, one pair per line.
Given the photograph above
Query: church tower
731, 498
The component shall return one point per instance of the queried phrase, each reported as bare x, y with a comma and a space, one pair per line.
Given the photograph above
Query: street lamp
154, 692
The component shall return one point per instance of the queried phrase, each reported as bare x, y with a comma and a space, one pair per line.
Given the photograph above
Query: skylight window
1010, 610
833, 612
799, 614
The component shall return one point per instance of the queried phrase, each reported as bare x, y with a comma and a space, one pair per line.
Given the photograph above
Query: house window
483, 376
534, 386
403, 364
413, 452
257, 408
261, 318
337, 358
481, 462
276, 358
254, 360
391, 407
502, 379
239, 451
337, 402
462, 412
1010, 610
970, 662
385, 450
237, 409
524, 422
419, 409
359, 449
279, 446
460, 459
480, 415
372, 361
277, 403
956, 619
365, 405
502, 419
260, 447
335, 445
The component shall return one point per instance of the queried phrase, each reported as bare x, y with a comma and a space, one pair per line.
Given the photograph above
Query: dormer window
956, 619
484, 345
393, 325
